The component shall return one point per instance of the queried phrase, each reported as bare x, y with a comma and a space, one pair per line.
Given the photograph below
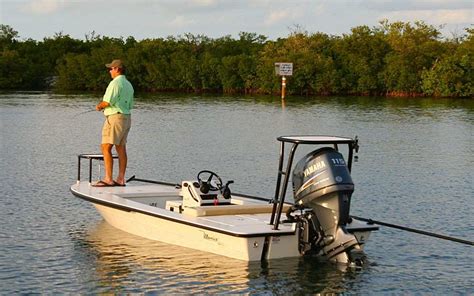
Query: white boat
204, 214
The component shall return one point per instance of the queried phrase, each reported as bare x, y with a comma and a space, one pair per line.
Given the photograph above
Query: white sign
284, 69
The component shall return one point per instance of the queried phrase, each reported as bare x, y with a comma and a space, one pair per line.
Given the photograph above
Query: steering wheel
207, 185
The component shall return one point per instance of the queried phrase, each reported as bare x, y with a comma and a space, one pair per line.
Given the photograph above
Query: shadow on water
127, 263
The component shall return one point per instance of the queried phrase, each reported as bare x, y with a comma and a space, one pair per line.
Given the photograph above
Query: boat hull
241, 230
242, 248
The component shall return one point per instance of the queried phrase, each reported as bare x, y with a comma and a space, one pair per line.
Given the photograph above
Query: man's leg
108, 163
122, 155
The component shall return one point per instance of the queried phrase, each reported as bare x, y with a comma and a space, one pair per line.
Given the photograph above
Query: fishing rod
450, 238
78, 114
88, 111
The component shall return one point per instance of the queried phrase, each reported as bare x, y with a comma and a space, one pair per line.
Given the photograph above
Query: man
116, 104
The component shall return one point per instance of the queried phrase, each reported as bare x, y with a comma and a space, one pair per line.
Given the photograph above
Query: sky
37, 19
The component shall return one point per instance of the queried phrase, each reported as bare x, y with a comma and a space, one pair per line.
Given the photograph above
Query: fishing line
81, 113
454, 239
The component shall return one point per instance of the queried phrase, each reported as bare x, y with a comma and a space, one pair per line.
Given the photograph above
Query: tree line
398, 58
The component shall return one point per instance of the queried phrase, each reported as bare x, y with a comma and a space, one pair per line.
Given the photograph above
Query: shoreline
99, 93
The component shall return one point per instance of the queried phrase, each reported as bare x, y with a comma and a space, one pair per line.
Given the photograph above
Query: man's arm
110, 96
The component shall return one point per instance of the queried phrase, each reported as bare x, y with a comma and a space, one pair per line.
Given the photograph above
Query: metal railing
91, 157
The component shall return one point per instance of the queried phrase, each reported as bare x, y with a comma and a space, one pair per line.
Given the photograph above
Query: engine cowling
321, 181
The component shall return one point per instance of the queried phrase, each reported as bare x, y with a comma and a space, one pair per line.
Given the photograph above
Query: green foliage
8, 36
361, 61
11, 66
453, 73
86, 71
393, 58
413, 49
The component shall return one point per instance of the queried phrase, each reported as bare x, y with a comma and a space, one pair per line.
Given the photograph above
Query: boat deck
246, 217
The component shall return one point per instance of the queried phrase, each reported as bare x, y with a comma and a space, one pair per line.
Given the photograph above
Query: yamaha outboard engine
322, 186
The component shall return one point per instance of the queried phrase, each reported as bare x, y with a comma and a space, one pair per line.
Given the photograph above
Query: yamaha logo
317, 166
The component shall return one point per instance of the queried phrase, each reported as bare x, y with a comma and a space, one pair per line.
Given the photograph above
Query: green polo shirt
119, 95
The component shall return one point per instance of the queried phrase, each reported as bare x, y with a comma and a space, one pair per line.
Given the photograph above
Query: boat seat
231, 210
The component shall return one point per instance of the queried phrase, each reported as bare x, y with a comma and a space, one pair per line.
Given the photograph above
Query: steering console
214, 183
207, 185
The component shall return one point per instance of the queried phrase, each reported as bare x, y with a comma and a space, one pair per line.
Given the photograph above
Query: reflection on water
128, 263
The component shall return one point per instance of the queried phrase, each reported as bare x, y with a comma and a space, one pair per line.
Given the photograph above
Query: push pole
283, 87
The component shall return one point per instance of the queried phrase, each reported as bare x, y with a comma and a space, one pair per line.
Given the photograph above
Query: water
415, 168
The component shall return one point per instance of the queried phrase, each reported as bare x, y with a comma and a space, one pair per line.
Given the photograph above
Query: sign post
283, 69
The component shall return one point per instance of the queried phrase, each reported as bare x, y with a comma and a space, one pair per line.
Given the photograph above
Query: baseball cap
115, 64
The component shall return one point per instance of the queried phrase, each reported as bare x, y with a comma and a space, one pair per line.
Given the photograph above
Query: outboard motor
322, 184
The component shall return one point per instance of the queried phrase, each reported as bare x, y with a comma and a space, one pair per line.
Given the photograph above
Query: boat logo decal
208, 237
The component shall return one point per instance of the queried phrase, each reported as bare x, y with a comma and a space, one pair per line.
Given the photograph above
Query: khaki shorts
116, 128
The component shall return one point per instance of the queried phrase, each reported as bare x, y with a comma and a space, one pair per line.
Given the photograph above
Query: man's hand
102, 105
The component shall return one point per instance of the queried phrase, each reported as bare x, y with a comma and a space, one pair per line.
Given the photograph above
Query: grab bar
91, 157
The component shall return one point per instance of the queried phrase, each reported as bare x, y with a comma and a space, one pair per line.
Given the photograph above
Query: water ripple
415, 169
